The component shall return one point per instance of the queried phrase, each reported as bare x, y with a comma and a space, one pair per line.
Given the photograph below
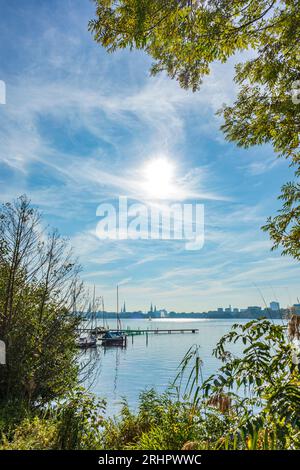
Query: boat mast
93, 312
118, 316
103, 316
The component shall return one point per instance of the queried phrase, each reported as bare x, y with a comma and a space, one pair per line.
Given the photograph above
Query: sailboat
105, 325
89, 340
115, 337
86, 341
100, 330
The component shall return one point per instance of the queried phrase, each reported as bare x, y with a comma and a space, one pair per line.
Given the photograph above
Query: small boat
87, 341
113, 338
99, 331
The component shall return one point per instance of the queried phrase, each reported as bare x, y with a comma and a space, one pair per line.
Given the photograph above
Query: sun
158, 178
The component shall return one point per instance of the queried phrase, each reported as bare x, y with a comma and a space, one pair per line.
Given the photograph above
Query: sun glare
158, 178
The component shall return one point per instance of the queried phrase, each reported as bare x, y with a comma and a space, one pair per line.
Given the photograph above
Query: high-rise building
274, 306
296, 308
254, 309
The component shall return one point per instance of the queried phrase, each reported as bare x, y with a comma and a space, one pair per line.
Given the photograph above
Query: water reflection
150, 360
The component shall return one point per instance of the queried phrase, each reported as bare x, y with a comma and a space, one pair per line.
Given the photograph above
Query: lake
126, 372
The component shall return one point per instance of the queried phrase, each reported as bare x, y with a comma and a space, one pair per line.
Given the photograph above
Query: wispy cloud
76, 131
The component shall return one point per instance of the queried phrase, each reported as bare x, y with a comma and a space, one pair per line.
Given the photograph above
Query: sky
82, 127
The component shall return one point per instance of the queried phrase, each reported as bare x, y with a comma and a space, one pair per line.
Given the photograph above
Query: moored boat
87, 341
113, 338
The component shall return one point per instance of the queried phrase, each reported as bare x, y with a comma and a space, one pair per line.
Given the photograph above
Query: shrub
32, 434
80, 419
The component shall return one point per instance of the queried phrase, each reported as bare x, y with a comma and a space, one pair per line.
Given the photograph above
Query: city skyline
273, 306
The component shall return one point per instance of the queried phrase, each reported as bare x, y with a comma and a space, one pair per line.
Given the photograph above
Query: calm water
126, 372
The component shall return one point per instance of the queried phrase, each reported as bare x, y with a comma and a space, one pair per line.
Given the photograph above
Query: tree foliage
284, 228
261, 387
185, 36
38, 287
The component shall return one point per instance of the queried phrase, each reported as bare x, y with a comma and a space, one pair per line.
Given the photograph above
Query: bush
162, 422
32, 434
253, 402
80, 420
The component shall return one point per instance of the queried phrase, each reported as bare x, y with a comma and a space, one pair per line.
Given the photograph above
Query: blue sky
77, 130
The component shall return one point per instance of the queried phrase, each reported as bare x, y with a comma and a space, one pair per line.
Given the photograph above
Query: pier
157, 331
138, 331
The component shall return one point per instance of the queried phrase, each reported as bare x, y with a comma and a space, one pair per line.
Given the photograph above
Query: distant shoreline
244, 315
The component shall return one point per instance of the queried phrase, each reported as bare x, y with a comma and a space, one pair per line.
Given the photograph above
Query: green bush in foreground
253, 402
32, 434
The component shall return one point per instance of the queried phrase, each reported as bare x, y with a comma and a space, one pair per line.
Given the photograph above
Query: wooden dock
154, 331
158, 331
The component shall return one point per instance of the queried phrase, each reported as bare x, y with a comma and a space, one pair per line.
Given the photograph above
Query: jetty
159, 331
155, 331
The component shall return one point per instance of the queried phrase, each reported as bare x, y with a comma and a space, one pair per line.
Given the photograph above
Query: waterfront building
296, 308
163, 313
274, 306
254, 310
